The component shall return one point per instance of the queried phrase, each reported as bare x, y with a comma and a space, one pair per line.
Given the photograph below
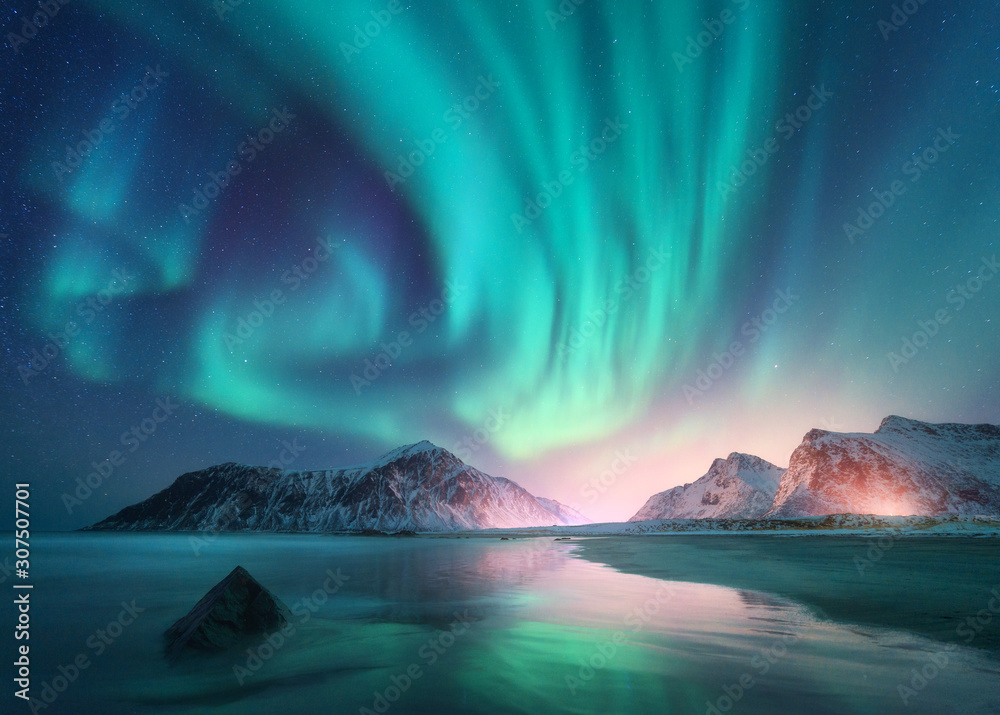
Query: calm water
458, 626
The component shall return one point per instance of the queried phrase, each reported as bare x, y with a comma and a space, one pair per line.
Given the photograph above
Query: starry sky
587, 246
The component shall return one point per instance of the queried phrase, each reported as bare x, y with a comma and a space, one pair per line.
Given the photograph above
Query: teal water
444, 625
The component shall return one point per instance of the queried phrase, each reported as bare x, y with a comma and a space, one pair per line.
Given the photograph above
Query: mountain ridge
416, 487
741, 486
905, 467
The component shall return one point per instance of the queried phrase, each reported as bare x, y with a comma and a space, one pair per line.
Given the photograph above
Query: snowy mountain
739, 487
420, 487
905, 467
564, 515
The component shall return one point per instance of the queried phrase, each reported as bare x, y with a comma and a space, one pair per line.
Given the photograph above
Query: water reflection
464, 626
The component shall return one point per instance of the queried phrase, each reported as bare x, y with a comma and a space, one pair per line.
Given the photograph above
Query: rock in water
236, 607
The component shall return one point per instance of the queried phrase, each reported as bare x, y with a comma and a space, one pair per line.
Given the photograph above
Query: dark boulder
235, 608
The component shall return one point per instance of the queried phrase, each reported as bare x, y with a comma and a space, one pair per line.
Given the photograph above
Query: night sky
562, 241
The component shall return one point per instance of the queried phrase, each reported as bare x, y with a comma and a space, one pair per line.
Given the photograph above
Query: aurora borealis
534, 231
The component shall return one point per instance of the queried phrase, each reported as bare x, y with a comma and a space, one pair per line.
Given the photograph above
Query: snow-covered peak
904, 467
740, 486
753, 471
895, 423
421, 448
417, 487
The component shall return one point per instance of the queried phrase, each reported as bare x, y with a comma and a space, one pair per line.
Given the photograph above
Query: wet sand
928, 586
